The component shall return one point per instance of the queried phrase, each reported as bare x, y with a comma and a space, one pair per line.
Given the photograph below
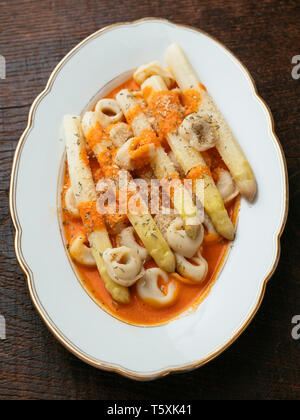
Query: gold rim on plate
18, 234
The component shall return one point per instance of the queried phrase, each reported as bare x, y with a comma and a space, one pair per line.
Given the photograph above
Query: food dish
73, 316
136, 231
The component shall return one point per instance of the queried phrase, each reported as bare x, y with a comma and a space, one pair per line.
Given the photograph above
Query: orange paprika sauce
137, 312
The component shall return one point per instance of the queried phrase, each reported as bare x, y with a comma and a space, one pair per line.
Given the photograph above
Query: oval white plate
72, 316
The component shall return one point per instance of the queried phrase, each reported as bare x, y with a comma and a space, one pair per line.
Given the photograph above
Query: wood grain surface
265, 362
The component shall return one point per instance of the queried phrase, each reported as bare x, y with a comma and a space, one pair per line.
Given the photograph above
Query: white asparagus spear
227, 144
85, 192
161, 164
189, 159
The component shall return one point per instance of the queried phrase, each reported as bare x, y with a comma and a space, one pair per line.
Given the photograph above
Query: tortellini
198, 131
126, 238
195, 269
80, 252
123, 265
180, 242
70, 202
153, 69
148, 288
226, 186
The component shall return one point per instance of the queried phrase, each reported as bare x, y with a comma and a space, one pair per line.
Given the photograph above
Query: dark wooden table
265, 362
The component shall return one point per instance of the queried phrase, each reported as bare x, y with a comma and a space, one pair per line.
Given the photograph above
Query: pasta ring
108, 112
198, 131
127, 238
122, 158
187, 269
123, 265
80, 252
226, 186
180, 242
153, 69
